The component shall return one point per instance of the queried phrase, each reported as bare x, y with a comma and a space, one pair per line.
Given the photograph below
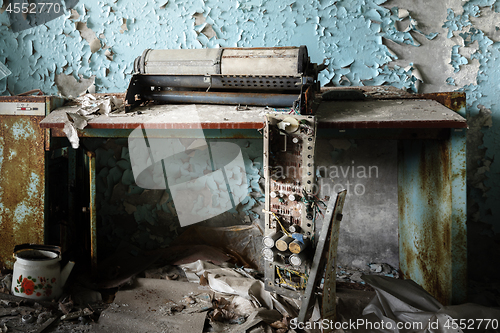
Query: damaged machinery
277, 76
289, 143
295, 250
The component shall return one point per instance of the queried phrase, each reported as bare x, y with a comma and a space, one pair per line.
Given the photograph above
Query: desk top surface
395, 113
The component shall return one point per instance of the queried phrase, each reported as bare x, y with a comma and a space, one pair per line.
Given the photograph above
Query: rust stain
426, 229
434, 244
460, 252
22, 183
455, 101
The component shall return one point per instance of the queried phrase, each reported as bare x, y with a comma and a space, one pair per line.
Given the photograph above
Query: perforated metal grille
259, 82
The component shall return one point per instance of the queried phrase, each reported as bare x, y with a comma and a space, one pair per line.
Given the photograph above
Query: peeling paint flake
74, 15
450, 81
457, 59
70, 87
203, 28
455, 22
109, 54
396, 17
123, 27
402, 78
89, 35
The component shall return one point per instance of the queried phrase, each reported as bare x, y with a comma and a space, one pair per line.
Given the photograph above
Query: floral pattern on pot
30, 285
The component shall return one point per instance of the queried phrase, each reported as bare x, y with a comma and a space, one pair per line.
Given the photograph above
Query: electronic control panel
292, 206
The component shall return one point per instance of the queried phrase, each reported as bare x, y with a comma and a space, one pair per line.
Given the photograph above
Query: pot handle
51, 248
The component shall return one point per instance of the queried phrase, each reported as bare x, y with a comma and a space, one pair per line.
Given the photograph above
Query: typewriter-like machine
294, 248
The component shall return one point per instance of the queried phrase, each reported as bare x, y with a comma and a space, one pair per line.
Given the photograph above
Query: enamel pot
37, 272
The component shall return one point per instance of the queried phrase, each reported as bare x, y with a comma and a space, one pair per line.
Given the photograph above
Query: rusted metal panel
22, 183
23, 99
22, 171
455, 101
425, 215
459, 215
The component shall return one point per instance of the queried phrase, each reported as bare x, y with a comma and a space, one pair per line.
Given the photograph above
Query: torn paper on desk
90, 104
403, 303
229, 281
90, 107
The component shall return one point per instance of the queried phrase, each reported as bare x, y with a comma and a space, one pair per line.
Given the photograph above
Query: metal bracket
328, 235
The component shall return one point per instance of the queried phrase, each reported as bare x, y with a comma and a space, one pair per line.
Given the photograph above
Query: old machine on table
281, 77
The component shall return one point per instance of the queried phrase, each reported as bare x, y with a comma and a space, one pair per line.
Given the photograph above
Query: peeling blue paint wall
347, 33
364, 42
483, 93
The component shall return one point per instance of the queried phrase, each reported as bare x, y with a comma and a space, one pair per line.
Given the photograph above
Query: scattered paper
229, 281
71, 133
90, 107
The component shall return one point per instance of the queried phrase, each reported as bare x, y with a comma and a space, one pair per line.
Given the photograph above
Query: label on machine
22, 109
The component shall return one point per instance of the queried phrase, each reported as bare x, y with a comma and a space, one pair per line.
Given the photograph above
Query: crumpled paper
90, 107
229, 281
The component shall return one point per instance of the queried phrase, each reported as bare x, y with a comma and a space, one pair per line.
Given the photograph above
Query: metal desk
431, 165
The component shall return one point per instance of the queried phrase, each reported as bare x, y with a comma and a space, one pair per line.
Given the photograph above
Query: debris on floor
24, 315
157, 305
191, 295
353, 275
187, 253
165, 273
233, 281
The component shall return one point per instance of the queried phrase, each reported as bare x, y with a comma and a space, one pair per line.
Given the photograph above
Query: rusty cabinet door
22, 183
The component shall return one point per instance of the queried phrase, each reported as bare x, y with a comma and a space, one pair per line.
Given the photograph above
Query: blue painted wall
352, 35
348, 33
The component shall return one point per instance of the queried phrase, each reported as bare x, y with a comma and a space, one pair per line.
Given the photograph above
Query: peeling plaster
482, 104
68, 86
89, 36
457, 59
194, 24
